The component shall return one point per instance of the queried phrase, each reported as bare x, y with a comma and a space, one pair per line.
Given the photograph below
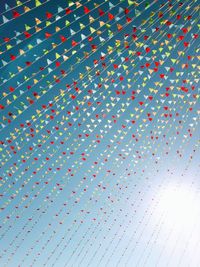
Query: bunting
99, 122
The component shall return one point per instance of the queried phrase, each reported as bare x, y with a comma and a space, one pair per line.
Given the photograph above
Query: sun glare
180, 206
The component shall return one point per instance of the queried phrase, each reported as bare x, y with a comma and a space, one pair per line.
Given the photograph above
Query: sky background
99, 142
